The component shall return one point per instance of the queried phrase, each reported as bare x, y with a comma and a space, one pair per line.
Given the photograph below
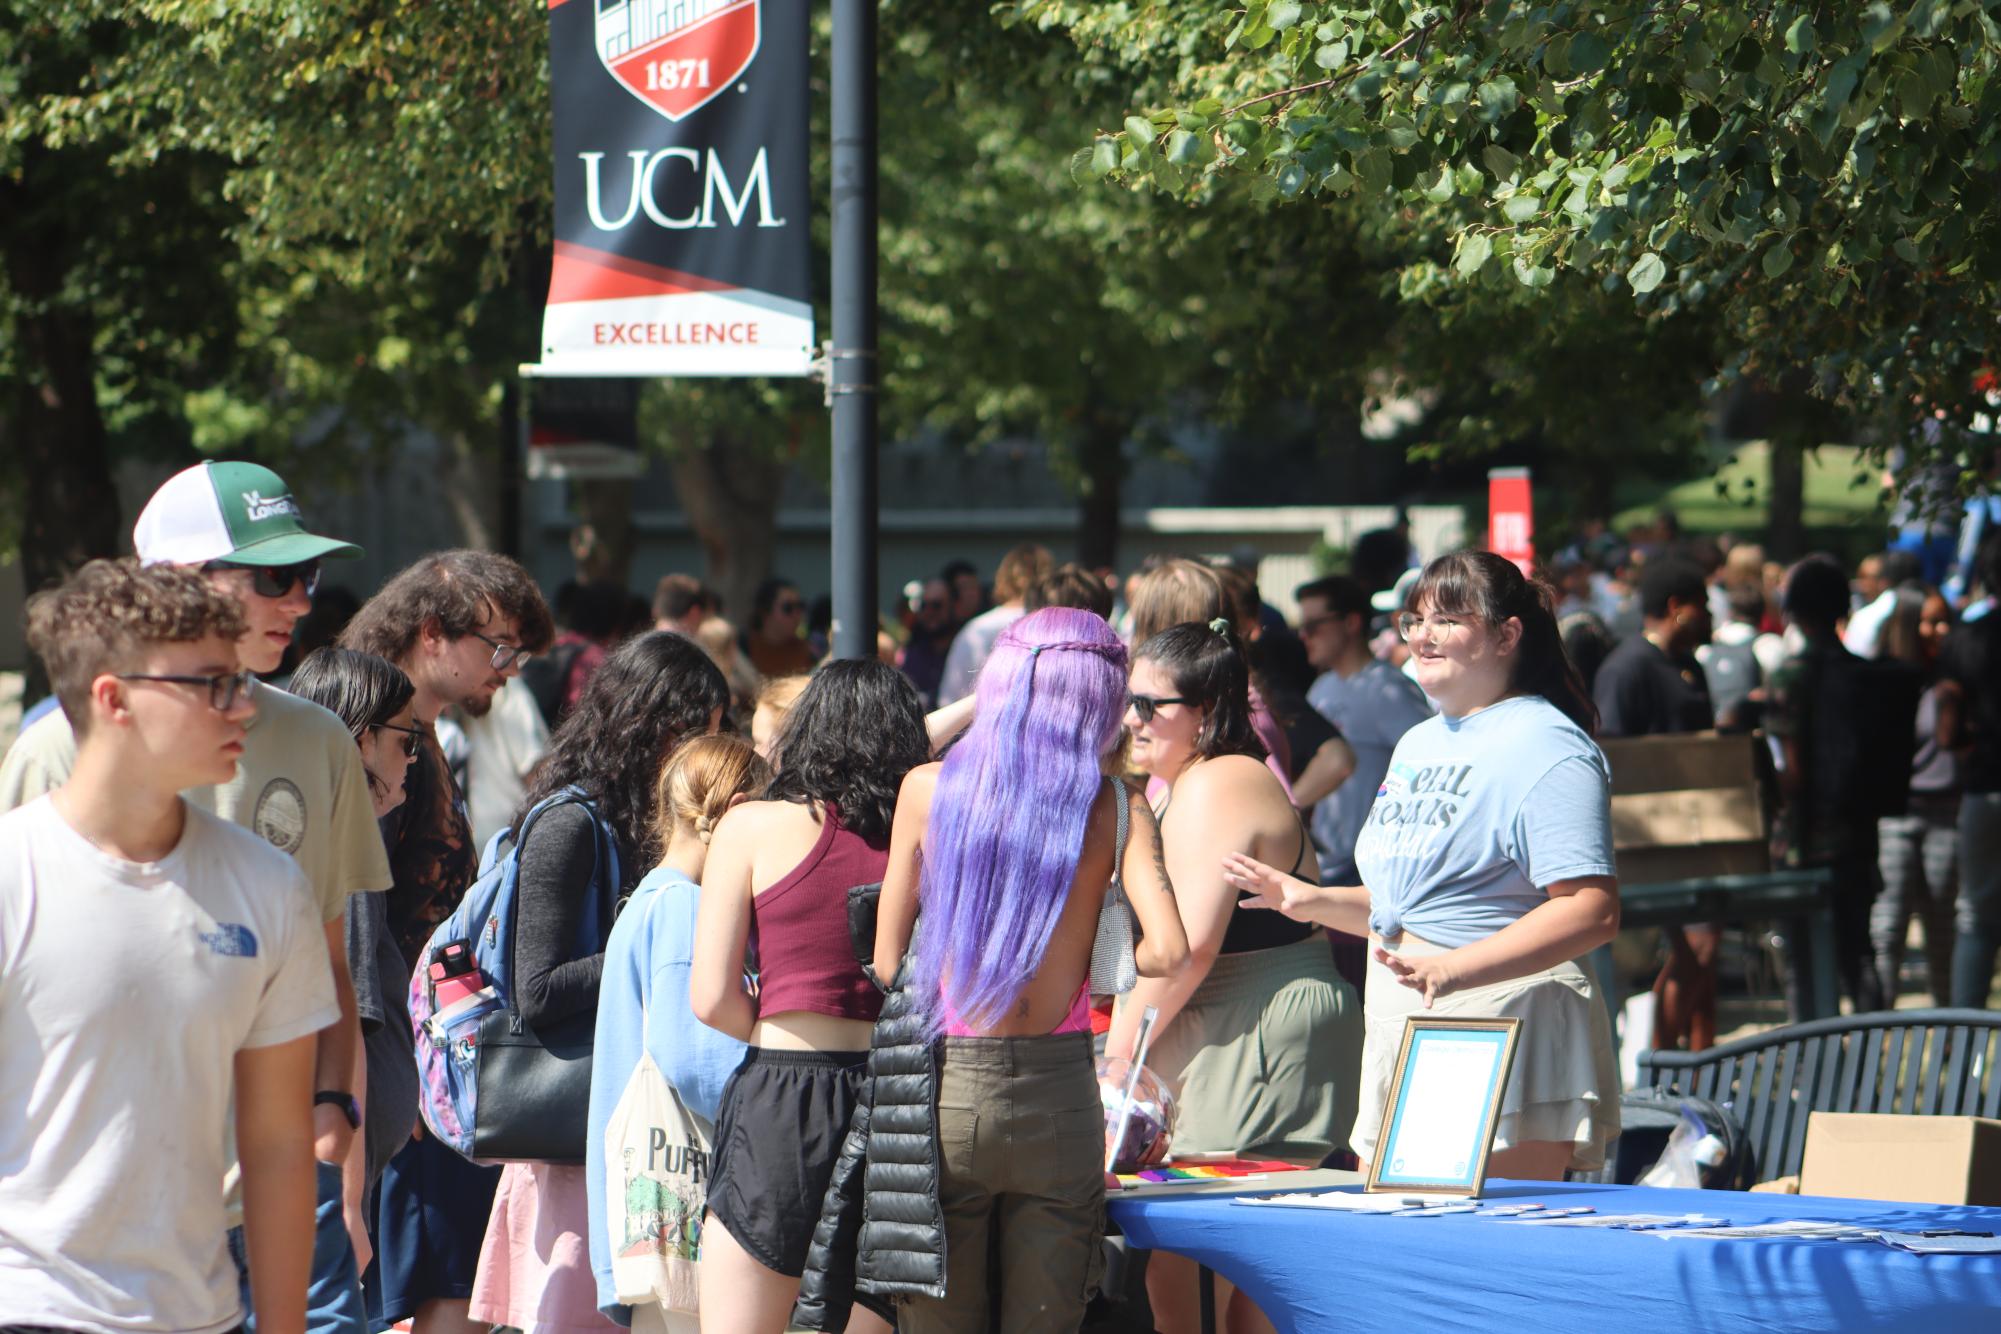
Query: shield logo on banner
676, 55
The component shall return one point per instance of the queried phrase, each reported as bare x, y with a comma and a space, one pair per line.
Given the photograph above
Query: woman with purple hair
1007, 846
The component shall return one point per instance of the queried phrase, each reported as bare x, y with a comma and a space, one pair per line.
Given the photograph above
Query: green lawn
1842, 490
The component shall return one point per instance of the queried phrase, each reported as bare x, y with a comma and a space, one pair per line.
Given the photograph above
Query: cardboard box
1686, 807
1910, 1159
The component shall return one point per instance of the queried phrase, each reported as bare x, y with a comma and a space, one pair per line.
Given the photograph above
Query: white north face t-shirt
300, 786
126, 991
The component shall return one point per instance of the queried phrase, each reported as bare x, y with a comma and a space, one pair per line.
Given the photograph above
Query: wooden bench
1907, 1062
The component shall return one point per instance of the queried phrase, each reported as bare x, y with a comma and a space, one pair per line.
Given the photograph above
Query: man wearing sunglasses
299, 784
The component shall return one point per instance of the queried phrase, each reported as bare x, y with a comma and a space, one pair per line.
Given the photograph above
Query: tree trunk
1102, 467
729, 491
69, 504
1786, 506
606, 506
469, 489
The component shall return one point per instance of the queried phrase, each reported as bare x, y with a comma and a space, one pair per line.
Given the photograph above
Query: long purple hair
1010, 811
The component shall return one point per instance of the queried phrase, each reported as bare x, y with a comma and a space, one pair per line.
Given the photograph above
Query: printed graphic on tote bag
657, 1163
677, 55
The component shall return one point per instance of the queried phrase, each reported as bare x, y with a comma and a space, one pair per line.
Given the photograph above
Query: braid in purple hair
1010, 812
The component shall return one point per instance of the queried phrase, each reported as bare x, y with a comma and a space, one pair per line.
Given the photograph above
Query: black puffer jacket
881, 1228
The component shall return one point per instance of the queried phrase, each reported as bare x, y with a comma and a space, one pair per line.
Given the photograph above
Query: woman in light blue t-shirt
1487, 868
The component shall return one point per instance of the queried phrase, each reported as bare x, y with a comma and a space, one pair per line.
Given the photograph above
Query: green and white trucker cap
238, 512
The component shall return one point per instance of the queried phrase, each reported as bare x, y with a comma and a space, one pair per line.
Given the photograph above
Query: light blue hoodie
646, 964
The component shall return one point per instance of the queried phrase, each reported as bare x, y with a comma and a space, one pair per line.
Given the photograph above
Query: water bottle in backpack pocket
463, 985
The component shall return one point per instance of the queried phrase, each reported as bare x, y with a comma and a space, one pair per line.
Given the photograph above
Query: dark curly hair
458, 590
848, 742
1208, 668
652, 693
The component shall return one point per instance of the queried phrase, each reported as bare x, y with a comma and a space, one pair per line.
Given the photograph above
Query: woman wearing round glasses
1487, 866
1259, 1035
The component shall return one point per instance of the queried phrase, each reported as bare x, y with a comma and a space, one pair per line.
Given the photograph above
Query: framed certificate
1444, 1098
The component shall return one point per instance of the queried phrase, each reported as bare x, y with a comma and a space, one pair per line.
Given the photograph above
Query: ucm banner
682, 199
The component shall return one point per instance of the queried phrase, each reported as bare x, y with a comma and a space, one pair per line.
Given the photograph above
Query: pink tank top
805, 961
1077, 1021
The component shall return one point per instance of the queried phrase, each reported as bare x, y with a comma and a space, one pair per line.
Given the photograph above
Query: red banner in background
1511, 516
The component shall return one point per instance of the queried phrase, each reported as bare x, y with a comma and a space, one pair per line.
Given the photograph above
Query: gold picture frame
1445, 1096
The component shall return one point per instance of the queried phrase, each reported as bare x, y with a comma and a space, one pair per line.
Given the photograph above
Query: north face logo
232, 940
257, 507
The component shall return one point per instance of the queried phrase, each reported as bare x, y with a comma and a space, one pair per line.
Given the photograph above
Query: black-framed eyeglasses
1147, 705
504, 655
275, 581
413, 737
223, 691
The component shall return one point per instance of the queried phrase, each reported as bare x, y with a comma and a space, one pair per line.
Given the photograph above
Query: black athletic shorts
779, 1129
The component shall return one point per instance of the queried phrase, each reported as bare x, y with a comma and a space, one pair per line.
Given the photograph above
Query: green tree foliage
1817, 179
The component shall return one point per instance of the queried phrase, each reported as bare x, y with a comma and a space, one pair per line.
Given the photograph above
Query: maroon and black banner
683, 205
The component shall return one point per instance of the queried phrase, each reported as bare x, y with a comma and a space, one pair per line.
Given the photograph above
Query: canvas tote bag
656, 1163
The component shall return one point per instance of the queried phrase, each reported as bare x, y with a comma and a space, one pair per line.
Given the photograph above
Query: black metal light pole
852, 367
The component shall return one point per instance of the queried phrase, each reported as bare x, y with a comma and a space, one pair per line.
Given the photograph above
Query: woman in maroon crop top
779, 871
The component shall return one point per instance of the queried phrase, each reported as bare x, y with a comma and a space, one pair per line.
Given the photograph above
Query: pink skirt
535, 1264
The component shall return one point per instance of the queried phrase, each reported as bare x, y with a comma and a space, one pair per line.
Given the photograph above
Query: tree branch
1331, 80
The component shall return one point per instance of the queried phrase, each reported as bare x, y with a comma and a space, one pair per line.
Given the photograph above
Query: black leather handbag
535, 1083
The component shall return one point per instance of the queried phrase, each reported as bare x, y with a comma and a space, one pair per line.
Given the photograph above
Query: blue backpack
463, 1006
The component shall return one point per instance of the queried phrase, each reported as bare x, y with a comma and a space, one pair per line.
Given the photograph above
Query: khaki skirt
1264, 1057
1565, 1081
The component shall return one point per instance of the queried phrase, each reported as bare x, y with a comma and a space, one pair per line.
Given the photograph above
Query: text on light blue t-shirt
646, 966
1478, 816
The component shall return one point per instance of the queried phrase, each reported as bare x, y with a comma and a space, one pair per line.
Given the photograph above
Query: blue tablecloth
1312, 1270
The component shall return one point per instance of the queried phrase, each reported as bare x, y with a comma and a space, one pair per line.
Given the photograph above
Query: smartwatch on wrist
345, 1101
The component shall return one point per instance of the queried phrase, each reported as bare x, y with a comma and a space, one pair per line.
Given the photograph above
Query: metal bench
1797, 898
1907, 1062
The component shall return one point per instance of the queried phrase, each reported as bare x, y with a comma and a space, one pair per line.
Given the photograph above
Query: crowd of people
834, 932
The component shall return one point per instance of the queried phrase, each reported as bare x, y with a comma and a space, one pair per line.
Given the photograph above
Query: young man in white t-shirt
152, 959
299, 785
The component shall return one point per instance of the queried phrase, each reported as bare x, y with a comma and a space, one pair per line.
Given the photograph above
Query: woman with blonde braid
643, 996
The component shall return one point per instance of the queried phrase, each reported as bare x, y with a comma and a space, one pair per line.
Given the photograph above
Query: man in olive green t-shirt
299, 784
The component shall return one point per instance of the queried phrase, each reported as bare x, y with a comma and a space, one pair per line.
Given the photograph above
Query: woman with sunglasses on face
773, 641
1487, 866
372, 696
651, 694
1259, 1035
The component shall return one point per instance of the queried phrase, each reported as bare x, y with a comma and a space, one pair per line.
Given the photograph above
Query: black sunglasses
223, 691
413, 737
1147, 705
274, 581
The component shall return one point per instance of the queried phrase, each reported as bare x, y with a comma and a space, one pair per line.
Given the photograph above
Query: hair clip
1036, 652
1220, 626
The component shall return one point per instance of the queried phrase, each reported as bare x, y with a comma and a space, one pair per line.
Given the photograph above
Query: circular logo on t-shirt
280, 815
